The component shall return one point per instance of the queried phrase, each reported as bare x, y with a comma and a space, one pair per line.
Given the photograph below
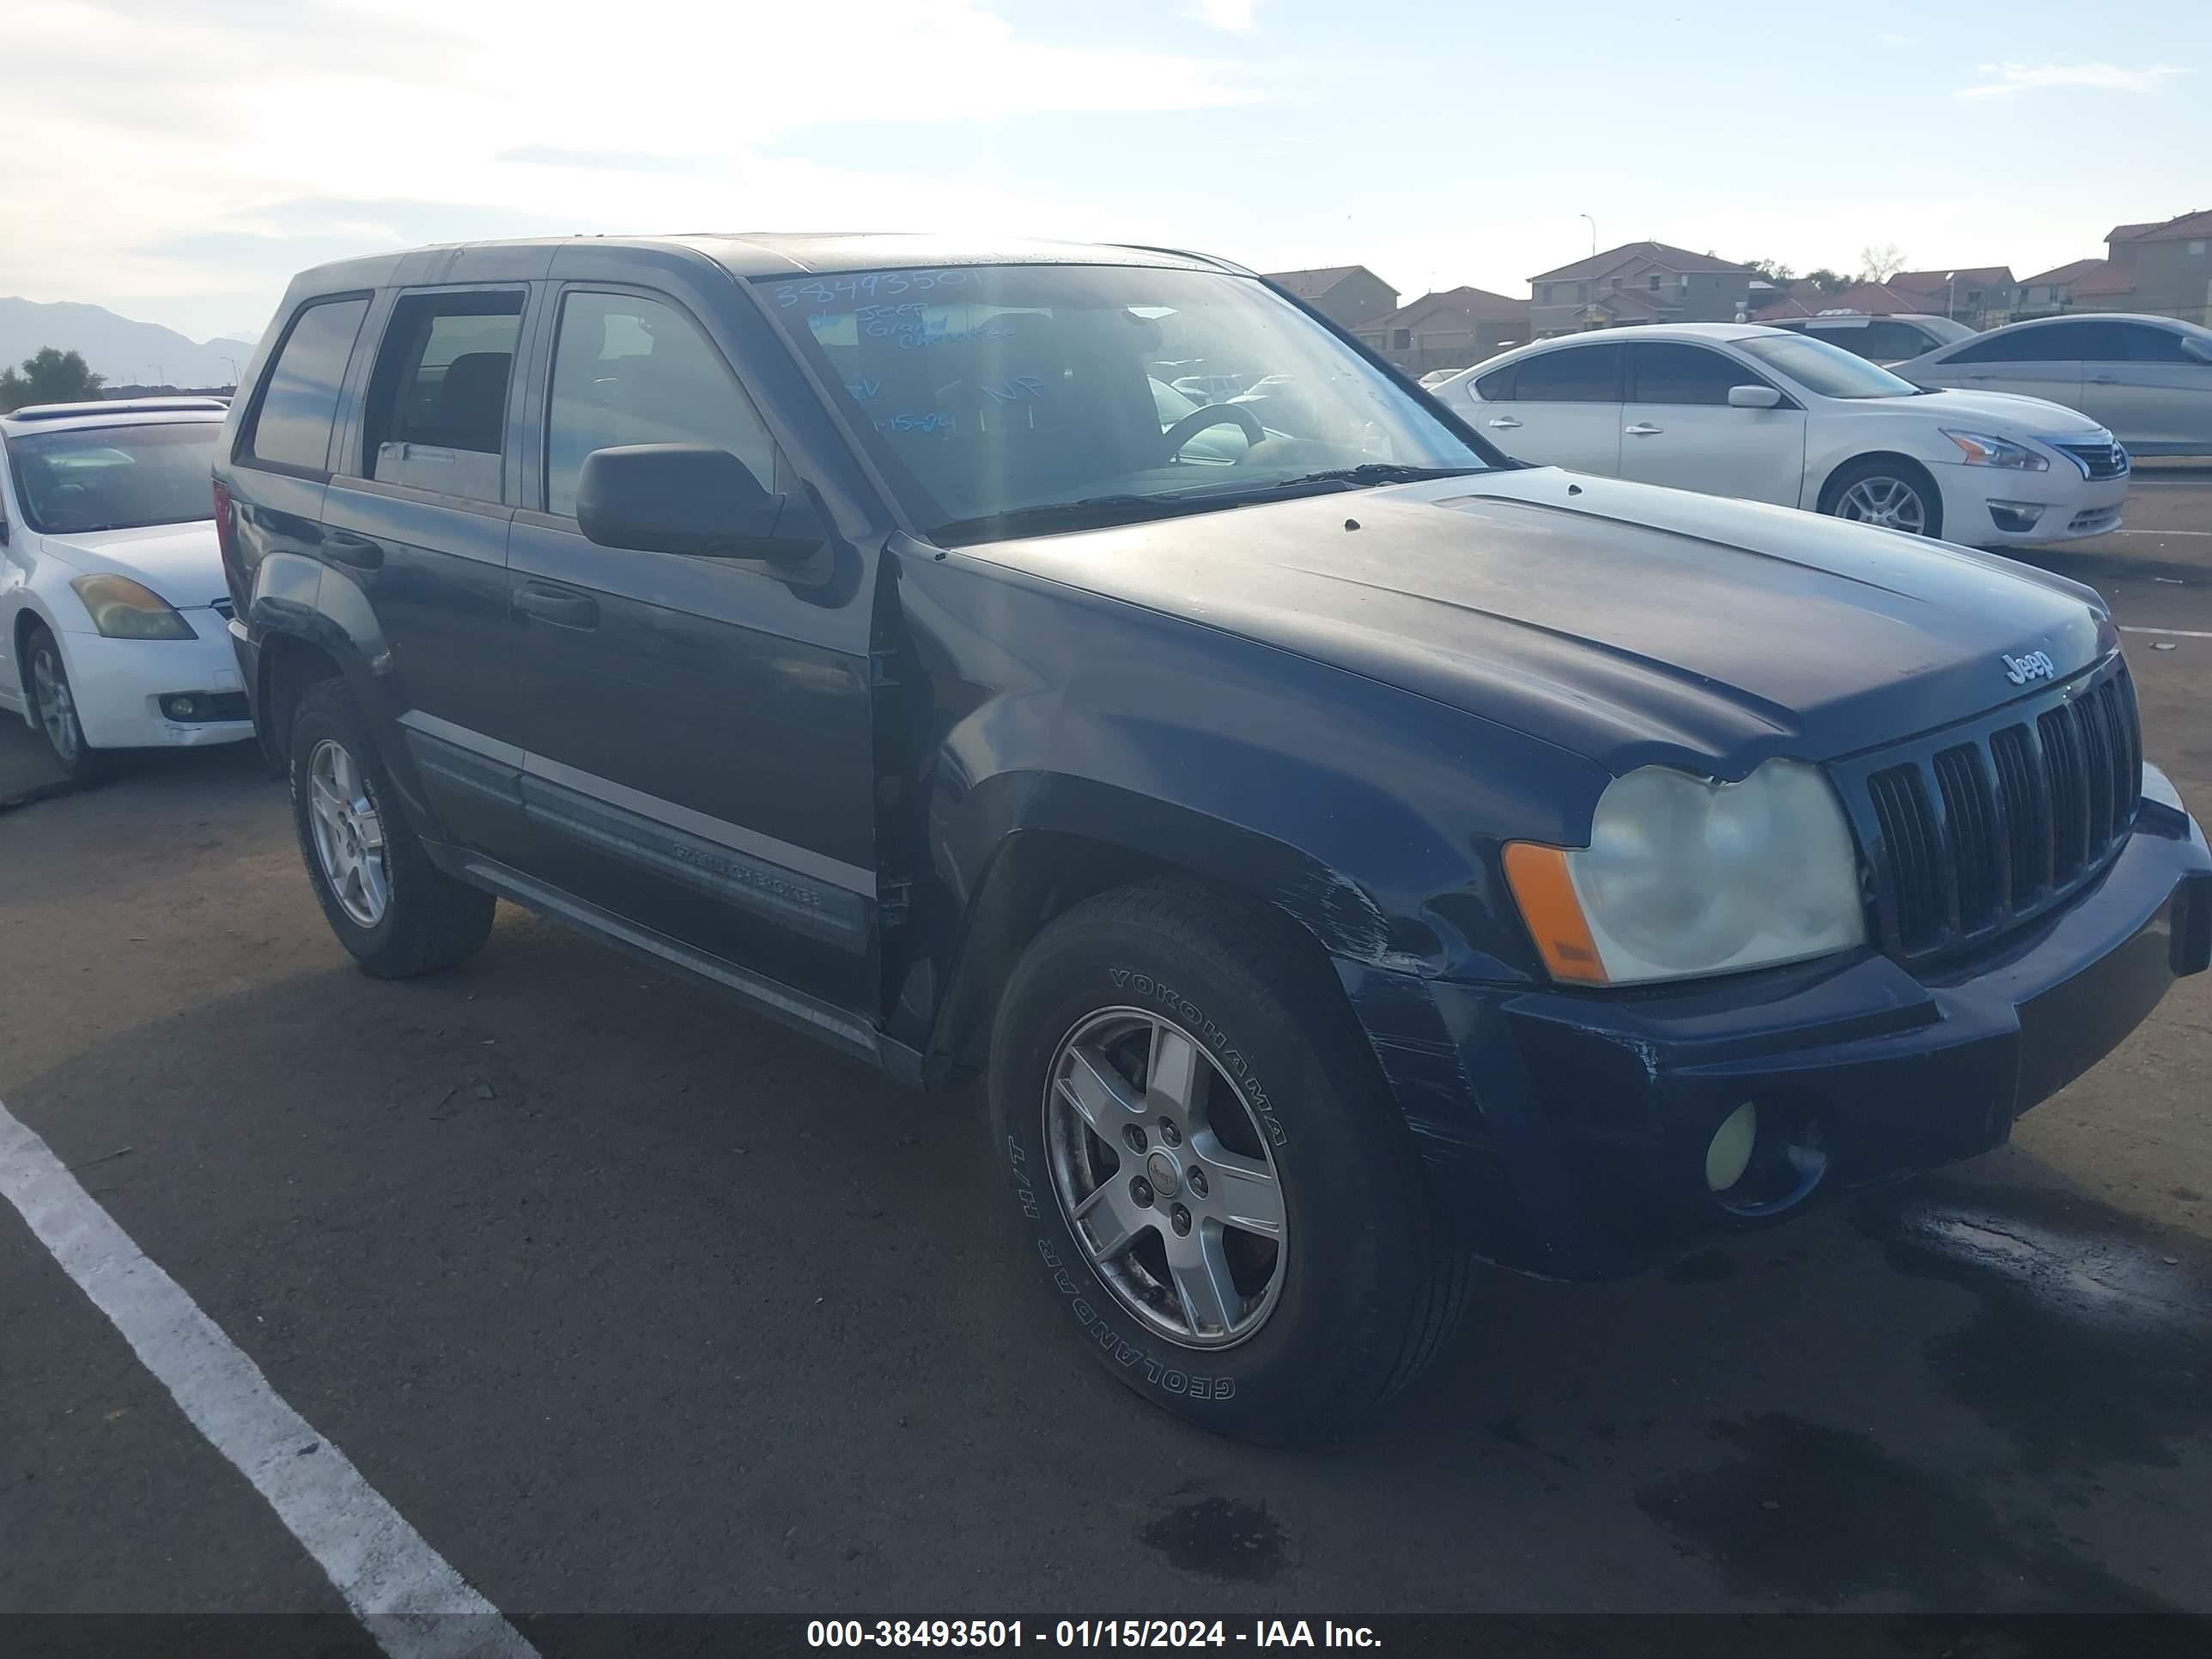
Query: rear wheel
1892, 495
53, 709
1209, 1172
395, 911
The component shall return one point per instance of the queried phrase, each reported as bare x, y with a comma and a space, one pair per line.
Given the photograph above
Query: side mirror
1753, 397
690, 498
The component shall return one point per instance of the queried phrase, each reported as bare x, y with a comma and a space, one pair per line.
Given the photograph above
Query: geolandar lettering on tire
1195, 1019
1166, 1378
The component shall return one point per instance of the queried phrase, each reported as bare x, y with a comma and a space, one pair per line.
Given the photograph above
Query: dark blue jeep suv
1350, 854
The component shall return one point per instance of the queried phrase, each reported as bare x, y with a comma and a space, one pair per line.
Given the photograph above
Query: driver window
630, 370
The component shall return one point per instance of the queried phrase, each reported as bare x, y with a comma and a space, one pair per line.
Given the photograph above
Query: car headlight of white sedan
126, 609
1984, 449
1686, 877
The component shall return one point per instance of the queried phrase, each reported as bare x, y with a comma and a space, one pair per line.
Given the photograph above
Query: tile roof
1314, 283
1938, 282
2064, 275
2197, 222
2112, 279
1476, 303
1659, 253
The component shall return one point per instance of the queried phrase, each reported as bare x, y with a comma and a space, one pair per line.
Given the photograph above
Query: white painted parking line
403, 1591
2161, 533
2165, 633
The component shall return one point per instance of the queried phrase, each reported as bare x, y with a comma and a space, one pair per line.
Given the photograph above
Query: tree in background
1826, 280
1879, 264
1775, 271
49, 376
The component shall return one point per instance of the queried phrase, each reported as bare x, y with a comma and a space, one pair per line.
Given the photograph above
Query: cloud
1236, 16
2035, 77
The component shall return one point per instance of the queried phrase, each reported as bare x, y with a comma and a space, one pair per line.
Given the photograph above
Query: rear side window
1497, 385
2057, 343
437, 400
629, 370
1667, 374
300, 397
1572, 374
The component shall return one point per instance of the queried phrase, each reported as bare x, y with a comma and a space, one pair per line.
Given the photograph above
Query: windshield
1011, 399
1828, 370
115, 477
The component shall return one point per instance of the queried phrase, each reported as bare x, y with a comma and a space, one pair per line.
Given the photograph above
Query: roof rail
115, 406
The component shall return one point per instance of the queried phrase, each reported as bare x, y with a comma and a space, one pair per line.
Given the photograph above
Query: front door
697, 730
2154, 396
1678, 429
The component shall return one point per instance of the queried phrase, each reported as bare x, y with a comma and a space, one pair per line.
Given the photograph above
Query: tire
1353, 1296
53, 707
1893, 493
409, 917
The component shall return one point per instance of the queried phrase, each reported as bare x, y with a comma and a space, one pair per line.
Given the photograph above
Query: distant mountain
125, 351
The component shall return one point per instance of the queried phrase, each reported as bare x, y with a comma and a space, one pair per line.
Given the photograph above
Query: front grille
2097, 460
1973, 830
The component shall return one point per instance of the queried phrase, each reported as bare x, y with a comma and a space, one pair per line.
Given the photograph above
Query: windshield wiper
1376, 472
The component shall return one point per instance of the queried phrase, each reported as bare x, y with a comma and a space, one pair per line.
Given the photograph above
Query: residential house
2168, 264
1867, 299
2084, 285
1450, 329
1982, 295
1348, 296
1637, 283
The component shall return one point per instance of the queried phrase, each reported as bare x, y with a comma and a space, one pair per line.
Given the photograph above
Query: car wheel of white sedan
1888, 494
53, 710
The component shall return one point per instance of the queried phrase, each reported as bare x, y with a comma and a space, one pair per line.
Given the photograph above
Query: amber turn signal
1546, 893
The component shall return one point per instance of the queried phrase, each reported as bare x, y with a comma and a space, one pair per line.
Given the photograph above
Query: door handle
1505, 423
2104, 379
1643, 429
562, 609
343, 547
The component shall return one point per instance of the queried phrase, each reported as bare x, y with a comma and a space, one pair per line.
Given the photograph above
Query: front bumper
118, 685
1566, 1133
1992, 507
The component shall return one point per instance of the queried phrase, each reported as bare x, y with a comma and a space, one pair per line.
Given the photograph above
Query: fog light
180, 708
1730, 1154
2016, 517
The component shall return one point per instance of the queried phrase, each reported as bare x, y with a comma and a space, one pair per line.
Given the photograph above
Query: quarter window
1571, 375
629, 370
299, 396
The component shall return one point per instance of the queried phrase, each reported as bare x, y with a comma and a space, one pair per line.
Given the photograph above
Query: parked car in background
112, 599
1437, 377
1884, 340
1765, 415
2148, 378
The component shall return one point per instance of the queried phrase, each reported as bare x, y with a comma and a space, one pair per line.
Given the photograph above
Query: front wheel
1888, 494
1209, 1172
53, 709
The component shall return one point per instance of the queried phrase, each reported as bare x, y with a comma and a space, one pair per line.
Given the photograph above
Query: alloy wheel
349, 834
1165, 1177
1890, 502
56, 707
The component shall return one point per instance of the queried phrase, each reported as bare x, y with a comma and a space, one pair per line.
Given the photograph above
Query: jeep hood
1623, 622
182, 562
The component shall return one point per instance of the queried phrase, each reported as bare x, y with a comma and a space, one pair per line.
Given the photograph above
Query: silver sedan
2148, 378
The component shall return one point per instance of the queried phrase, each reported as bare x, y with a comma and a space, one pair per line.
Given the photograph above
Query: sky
178, 160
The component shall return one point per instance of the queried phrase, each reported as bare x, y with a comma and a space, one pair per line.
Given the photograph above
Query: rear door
2041, 360
1559, 408
1678, 429
416, 522
2155, 395
697, 730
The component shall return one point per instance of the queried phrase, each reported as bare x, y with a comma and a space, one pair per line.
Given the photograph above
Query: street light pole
1592, 225
1951, 296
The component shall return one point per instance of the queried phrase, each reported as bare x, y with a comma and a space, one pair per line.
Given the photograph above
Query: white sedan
114, 609
1765, 415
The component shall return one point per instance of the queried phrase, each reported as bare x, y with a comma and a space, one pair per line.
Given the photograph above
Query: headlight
1982, 450
1684, 876
125, 609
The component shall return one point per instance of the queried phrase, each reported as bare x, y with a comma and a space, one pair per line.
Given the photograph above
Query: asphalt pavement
628, 1302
